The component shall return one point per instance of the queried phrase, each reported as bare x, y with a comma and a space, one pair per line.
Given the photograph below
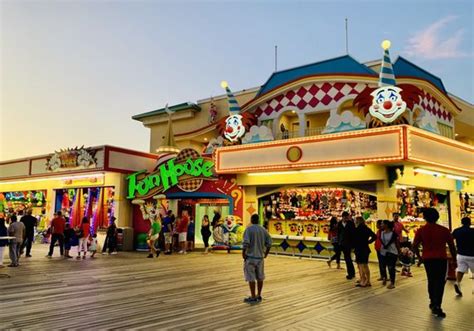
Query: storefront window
97, 203
412, 202
21, 200
307, 211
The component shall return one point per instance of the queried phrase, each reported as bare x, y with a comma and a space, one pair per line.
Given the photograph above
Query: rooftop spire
168, 144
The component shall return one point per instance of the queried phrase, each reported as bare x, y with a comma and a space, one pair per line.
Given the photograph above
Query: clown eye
393, 97
380, 99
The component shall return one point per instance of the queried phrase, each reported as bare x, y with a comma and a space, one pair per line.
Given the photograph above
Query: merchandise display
307, 211
412, 202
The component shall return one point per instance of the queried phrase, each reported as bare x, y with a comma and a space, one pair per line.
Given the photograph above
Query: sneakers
251, 301
104, 253
150, 256
259, 298
390, 286
457, 288
348, 277
438, 312
48, 256
113, 253
28, 255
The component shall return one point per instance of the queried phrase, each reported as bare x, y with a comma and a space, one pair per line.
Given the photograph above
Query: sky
73, 73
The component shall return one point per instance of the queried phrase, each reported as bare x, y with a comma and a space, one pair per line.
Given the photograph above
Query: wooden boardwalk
128, 291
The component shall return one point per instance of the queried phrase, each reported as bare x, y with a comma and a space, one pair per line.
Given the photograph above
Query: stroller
407, 258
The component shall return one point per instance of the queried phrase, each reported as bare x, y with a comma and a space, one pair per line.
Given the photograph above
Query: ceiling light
403, 187
457, 177
305, 171
96, 175
273, 173
427, 172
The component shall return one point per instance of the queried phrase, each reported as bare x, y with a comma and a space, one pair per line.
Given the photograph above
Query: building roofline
174, 108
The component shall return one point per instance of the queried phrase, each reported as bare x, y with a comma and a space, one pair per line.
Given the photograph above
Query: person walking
345, 236
389, 253
69, 237
398, 227
110, 242
3, 242
464, 237
58, 224
332, 236
363, 237
190, 236
182, 230
255, 248
30, 223
215, 219
17, 230
83, 234
168, 232
205, 233
378, 247
434, 238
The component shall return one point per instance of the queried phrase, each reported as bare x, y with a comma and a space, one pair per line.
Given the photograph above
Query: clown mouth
390, 115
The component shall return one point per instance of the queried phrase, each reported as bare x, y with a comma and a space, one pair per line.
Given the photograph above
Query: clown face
234, 128
387, 104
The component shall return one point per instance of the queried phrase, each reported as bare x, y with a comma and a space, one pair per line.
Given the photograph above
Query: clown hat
234, 107
387, 77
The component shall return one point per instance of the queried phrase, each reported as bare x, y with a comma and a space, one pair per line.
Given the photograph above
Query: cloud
431, 43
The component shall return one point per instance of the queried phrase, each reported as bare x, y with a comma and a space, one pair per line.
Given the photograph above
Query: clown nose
229, 129
387, 104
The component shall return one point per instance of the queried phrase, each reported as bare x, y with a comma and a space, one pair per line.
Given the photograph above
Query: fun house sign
174, 172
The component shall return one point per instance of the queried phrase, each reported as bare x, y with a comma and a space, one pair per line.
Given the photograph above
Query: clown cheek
376, 107
399, 103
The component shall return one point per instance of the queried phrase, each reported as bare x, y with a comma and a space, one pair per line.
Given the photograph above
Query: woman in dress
363, 237
205, 233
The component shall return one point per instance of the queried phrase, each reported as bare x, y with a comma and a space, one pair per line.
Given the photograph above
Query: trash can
125, 239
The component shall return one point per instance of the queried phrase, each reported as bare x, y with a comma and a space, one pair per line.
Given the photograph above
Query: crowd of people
349, 236
22, 228
170, 234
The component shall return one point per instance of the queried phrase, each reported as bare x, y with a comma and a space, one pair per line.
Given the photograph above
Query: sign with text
188, 174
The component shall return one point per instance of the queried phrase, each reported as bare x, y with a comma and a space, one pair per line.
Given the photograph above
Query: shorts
465, 263
154, 237
190, 237
67, 246
168, 237
253, 269
182, 236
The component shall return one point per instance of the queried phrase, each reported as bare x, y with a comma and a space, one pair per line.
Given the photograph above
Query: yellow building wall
317, 120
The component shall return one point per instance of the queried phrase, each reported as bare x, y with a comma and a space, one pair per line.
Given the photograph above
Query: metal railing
295, 134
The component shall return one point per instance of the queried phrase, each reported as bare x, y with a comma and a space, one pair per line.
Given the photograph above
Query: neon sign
166, 176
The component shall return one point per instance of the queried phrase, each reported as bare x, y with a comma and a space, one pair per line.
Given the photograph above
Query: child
69, 237
406, 259
93, 245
